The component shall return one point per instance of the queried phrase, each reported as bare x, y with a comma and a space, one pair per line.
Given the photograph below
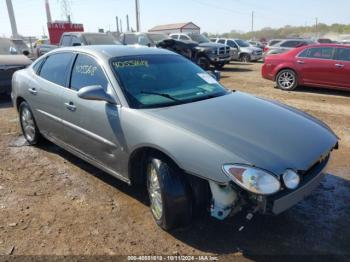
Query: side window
130, 39
56, 67
66, 41
37, 66
174, 37
76, 41
305, 53
321, 53
221, 41
343, 54
231, 43
87, 72
183, 37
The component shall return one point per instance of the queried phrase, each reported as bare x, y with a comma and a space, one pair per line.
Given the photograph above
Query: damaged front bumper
225, 203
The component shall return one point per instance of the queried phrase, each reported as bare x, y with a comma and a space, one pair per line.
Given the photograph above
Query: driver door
92, 127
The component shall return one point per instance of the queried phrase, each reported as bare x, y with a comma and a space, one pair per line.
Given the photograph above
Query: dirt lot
53, 203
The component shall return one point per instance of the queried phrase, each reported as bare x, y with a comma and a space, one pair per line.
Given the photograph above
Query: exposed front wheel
169, 194
29, 128
287, 80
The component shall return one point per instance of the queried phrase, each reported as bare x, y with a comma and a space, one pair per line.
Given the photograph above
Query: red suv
325, 65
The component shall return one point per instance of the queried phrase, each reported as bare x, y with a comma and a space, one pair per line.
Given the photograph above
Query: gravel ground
52, 203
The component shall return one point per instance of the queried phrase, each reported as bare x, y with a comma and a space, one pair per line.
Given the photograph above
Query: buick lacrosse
151, 117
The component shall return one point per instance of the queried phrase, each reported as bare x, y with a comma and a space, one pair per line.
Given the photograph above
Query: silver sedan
150, 116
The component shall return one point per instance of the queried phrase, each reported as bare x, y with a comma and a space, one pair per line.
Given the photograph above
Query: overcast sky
212, 16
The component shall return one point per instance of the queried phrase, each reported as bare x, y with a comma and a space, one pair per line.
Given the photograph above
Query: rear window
100, 39
56, 67
318, 53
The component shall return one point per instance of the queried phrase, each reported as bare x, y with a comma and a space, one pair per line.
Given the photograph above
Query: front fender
192, 153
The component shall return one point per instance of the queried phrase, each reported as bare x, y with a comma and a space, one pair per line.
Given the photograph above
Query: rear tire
28, 125
287, 80
169, 194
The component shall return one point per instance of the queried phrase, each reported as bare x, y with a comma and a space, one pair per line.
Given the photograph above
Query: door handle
70, 106
339, 65
300, 62
32, 91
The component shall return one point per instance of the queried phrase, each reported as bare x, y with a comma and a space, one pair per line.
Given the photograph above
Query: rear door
45, 90
92, 127
316, 66
342, 66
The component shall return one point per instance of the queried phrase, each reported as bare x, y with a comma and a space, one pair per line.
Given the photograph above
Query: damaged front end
287, 191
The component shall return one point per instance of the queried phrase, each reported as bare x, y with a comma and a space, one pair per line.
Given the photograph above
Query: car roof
109, 51
328, 45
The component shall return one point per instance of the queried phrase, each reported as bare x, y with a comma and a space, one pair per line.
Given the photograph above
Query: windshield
156, 38
242, 43
7, 47
150, 81
100, 39
199, 38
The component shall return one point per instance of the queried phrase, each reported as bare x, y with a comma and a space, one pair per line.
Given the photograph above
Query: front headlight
253, 179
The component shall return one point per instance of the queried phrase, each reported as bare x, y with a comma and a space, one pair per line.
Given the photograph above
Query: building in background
176, 28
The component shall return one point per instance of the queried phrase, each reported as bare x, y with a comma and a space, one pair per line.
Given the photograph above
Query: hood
212, 45
252, 48
14, 60
267, 135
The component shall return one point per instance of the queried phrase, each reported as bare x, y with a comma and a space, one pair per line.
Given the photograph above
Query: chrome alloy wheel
155, 192
28, 124
286, 80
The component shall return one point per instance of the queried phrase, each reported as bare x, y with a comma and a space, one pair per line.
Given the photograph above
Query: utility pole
127, 23
316, 27
12, 19
117, 21
253, 24
121, 26
137, 7
48, 12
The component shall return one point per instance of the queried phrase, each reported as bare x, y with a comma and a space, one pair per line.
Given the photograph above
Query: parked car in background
21, 47
146, 39
217, 55
84, 38
256, 44
162, 122
42, 46
246, 53
322, 65
286, 45
11, 60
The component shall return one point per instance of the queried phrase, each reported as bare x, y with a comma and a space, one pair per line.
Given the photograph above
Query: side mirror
215, 74
13, 51
96, 93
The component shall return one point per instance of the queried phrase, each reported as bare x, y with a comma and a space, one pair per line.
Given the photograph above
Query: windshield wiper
160, 94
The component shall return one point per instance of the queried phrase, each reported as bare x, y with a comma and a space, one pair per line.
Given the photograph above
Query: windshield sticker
207, 78
86, 69
131, 63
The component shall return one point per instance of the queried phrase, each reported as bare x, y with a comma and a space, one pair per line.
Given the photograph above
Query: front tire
28, 125
203, 62
169, 194
287, 80
245, 58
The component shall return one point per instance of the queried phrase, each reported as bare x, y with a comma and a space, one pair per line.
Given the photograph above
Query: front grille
224, 51
258, 52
